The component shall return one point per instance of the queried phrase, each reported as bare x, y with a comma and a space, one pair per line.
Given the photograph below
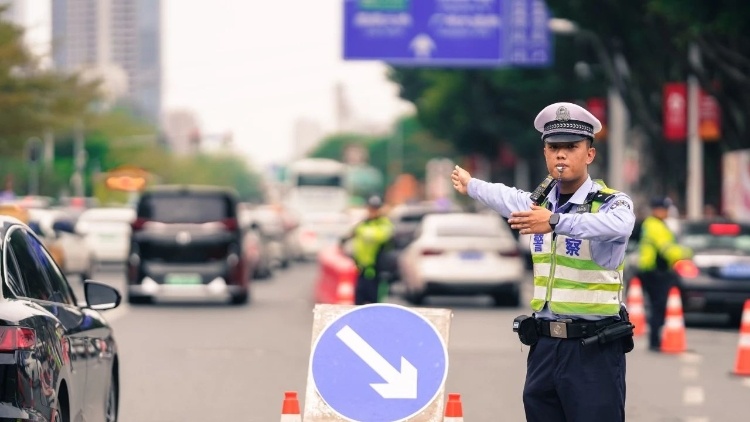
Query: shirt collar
579, 197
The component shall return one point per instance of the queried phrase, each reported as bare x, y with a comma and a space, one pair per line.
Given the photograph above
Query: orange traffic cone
635, 307
290, 408
454, 411
673, 333
742, 366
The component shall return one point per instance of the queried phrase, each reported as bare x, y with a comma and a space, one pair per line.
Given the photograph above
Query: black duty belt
571, 329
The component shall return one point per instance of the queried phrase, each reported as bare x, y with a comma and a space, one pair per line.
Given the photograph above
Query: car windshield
186, 208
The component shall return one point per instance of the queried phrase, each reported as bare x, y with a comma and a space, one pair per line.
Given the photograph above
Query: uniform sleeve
613, 223
499, 197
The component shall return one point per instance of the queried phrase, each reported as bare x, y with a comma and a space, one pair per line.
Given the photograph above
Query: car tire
240, 298
139, 300
415, 298
509, 300
113, 399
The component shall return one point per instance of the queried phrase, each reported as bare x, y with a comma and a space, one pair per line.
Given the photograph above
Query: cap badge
562, 115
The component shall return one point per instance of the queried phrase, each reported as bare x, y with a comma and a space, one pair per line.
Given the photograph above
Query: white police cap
566, 122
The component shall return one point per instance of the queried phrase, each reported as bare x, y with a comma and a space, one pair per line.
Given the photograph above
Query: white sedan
463, 254
107, 232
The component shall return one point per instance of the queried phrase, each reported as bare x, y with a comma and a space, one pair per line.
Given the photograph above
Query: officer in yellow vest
579, 229
369, 237
658, 253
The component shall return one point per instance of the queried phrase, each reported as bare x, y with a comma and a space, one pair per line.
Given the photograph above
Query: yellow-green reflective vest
369, 237
566, 275
657, 248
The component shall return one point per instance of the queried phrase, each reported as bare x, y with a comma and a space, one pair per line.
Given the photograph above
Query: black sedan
717, 280
58, 356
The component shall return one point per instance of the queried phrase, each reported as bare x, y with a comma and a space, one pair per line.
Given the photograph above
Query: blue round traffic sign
379, 362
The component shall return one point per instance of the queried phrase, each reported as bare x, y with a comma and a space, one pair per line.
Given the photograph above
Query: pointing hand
460, 179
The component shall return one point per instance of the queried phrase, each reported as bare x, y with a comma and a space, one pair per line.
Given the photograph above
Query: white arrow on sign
422, 45
399, 384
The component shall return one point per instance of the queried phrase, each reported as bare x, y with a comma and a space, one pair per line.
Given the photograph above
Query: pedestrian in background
369, 237
657, 254
579, 232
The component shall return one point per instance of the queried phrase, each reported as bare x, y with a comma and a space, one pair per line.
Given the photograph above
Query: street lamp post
618, 115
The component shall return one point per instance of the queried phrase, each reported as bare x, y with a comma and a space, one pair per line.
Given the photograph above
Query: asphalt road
209, 362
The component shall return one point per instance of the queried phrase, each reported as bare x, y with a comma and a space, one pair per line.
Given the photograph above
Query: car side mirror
100, 296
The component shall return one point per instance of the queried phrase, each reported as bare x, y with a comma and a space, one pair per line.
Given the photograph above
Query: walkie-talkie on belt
544, 188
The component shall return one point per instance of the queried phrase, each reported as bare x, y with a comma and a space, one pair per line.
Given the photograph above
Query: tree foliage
645, 41
34, 99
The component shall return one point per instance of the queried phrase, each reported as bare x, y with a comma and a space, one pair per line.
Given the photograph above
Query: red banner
675, 111
709, 118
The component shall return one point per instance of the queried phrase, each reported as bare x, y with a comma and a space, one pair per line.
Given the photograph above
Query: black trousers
366, 290
656, 285
567, 382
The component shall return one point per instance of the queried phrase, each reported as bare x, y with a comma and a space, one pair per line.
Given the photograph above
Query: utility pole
79, 159
694, 194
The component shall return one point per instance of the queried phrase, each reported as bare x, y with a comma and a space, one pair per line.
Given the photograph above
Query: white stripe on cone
674, 302
291, 418
674, 322
452, 419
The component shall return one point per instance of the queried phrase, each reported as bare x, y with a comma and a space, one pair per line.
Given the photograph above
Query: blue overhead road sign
379, 362
448, 32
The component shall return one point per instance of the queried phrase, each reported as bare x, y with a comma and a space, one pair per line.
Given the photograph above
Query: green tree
33, 99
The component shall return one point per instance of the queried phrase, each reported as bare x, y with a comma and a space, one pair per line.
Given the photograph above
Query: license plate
471, 255
183, 279
735, 271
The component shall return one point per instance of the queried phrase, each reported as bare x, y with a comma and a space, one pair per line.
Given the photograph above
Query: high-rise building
109, 38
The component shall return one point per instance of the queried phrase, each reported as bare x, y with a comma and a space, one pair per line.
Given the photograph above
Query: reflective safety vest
369, 237
566, 275
657, 248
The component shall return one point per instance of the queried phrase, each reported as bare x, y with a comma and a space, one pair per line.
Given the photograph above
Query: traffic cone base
742, 365
673, 334
454, 409
635, 307
290, 408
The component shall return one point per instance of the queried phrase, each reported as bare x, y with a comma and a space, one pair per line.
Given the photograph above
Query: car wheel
415, 298
240, 298
112, 400
139, 300
511, 299
735, 318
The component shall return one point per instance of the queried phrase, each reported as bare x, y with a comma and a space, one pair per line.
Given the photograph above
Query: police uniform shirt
608, 230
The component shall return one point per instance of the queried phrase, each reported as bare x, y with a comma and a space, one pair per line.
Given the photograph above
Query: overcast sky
253, 67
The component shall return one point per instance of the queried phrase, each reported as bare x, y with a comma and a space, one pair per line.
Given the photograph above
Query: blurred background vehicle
60, 359
463, 254
107, 232
406, 218
717, 280
255, 249
56, 229
186, 243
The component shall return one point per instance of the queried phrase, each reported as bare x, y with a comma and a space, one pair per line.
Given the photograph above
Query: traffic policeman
579, 229
657, 254
369, 237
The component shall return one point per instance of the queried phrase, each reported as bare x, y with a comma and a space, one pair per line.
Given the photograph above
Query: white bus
316, 192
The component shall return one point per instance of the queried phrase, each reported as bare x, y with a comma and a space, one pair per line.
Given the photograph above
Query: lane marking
689, 372
691, 358
746, 382
697, 419
693, 396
